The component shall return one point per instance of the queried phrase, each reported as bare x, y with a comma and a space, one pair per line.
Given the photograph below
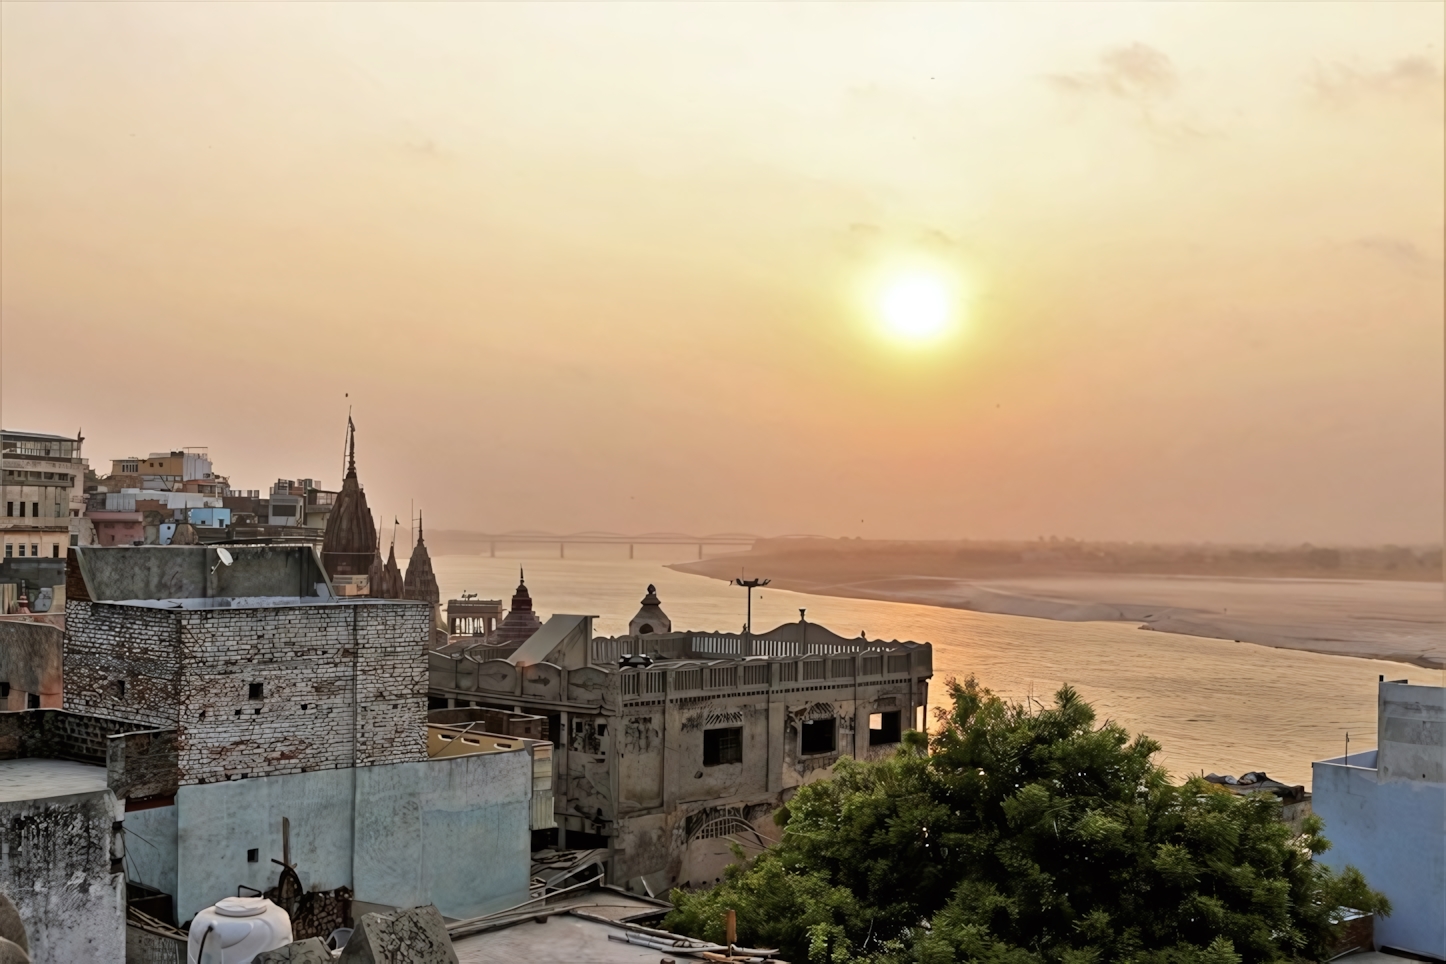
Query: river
1215, 705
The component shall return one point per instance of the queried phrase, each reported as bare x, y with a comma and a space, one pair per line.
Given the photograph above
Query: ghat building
671, 746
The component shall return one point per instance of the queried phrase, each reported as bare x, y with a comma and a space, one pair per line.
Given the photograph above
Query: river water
1215, 705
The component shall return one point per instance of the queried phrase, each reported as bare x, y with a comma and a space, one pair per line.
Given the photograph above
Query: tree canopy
1020, 834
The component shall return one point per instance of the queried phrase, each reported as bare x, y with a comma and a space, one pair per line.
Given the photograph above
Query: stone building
350, 539
277, 698
42, 496
672, 745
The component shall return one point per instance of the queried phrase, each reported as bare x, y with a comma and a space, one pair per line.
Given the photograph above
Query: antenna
223, 558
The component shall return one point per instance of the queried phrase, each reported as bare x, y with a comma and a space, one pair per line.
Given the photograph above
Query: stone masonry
258, 691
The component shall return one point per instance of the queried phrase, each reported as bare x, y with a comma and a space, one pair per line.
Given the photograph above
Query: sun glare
916, 308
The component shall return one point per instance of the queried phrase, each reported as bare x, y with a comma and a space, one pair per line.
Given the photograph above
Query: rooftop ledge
256, 602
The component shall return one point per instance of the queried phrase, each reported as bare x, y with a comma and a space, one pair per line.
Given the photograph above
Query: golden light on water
917, 307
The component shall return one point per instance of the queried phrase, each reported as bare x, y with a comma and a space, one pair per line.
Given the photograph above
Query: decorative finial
351, 446
521, 577
419, 526
652, 589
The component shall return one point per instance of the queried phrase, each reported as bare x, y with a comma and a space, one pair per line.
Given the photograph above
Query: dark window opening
255, 691
436, 702
885, 728
32, 701
119, 688
819, 736
723, 746
645, 628
602, 729
4, 691
253, 856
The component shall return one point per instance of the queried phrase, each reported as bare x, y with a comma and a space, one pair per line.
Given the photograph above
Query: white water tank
235, 930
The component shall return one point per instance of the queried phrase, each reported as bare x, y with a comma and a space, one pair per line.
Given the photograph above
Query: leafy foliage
1023, 836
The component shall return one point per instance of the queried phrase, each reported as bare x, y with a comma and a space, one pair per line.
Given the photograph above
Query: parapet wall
58, 735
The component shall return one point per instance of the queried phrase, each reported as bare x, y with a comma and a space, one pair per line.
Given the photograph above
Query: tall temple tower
350, 541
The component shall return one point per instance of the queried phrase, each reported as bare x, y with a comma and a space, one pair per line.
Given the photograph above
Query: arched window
645, 628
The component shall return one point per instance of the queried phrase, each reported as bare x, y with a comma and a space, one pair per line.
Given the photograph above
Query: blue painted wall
1394, 832
451, 832
151, 848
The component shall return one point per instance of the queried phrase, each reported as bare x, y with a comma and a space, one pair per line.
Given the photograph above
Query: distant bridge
600, 538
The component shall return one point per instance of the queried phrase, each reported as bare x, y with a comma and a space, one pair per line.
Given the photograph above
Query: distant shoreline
1388, 620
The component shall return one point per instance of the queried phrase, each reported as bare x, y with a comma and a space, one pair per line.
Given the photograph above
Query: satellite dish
223, 558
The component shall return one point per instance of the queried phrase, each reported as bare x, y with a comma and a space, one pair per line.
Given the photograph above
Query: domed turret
651, 618
521, 622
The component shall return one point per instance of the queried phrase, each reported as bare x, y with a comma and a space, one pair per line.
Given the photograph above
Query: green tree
1022, 834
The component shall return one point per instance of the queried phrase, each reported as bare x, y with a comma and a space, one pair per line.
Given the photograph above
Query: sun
916, 307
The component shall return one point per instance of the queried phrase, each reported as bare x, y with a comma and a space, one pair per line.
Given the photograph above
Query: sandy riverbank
1392, 620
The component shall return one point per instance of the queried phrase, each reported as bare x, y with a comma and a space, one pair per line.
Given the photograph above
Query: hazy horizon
614, 266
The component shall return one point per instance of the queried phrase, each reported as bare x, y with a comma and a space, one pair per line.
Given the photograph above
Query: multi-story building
42, 484
1385, 814
256, 698
669, 746
172, 471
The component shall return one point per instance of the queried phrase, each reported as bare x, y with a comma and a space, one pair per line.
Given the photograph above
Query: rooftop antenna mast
345, 442
750, 585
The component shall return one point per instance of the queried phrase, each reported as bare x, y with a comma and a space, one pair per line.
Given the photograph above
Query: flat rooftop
37, 779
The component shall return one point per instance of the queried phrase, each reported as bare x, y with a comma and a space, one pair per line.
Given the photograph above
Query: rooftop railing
606, 651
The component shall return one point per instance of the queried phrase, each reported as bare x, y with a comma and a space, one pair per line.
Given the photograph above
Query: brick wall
142, 764
337, 683
106, 643
59, 735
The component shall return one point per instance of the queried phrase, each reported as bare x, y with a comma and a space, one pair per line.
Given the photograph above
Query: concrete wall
1394, 832
452, 832
1411, 729
30, 662
151, 850
55, 865
192, 572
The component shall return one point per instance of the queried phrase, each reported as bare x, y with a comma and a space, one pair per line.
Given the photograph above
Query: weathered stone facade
258, 691
669, 746
62, 859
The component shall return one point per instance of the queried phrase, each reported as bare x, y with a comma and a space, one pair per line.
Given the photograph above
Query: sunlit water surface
1215, 705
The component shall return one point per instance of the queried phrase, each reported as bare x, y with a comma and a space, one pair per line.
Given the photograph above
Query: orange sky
602, 266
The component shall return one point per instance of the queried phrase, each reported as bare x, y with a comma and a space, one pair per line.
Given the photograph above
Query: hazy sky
608, 266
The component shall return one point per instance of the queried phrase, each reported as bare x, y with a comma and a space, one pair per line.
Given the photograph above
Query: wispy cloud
1404, 254
1140, 77
1407, 78
1137, 72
